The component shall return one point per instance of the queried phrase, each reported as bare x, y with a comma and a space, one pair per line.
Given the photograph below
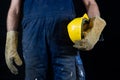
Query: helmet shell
75, 28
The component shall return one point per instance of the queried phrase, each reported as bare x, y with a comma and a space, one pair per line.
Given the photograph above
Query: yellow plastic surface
75, 28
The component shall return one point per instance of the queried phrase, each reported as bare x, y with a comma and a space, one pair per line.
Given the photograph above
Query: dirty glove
11, 54
91, 35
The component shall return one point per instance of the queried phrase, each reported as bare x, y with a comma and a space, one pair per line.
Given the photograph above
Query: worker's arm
13, 16
13, 19
92, 8
94, 28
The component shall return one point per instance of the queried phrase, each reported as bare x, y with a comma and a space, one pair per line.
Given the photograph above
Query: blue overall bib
47, 50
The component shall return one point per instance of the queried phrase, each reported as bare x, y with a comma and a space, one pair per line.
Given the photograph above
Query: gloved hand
11, 54
91, 35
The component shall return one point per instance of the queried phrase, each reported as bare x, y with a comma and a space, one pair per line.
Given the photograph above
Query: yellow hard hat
75, 28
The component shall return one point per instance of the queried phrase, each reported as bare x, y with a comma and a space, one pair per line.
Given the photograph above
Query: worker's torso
48, 7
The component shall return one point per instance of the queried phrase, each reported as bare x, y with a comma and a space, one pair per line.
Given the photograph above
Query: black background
101, 63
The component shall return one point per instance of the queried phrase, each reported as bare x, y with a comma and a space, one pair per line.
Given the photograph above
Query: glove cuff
12, 39
101, 20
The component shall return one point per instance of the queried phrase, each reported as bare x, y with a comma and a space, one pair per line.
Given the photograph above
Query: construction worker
47, 48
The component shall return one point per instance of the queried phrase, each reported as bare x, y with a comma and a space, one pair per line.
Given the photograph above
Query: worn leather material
11, 54
91, 35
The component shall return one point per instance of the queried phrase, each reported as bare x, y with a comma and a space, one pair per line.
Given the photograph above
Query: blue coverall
48, 52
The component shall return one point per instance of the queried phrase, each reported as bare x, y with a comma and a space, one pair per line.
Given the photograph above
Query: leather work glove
11, 54
91, 35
